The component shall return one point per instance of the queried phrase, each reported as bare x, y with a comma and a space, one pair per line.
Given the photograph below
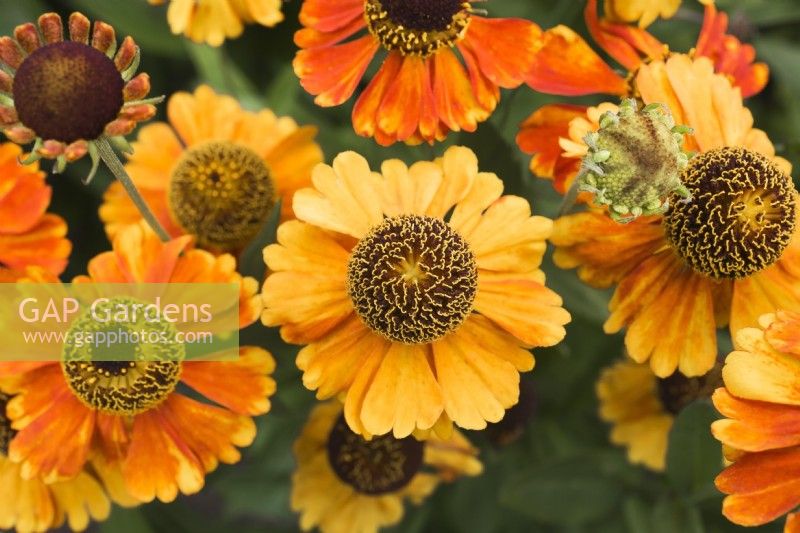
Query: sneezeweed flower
633, 161
74, 97
214, 170
29, 236
30, 505
421, 90
212, 21
722, 258
345, 484
760, 400
642, 407
130, 413
415, 317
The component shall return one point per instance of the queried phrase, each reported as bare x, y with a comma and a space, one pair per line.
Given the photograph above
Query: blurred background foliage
562, 474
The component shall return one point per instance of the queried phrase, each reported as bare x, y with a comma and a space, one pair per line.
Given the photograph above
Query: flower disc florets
6, 433
634, 161
741, 217
412, 279
417, 27
222, 193
377, 466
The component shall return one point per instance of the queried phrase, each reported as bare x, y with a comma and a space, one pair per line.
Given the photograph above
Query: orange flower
181, 167
674, 286
28, 235
760, 400
421, 90
164, 442
565, 64
417, 292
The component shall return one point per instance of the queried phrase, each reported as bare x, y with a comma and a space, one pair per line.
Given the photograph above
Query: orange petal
755, 426
486, 93
504, 48
313, 38
54, 443
400, 110
784, 333
523, 307
664, 325
243, 386
308, 258
158, 463
330, 366
763, 486
366, 108
622, 42
326, 16
566, 65
603, 250
43, 245
332, 73
452, 91
404, 394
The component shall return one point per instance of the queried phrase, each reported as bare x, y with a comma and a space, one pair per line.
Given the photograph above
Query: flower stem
113, 163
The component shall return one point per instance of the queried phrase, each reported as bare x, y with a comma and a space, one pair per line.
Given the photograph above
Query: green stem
113, 163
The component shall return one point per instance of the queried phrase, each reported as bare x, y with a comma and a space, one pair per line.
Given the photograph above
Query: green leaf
126, 521
568, 492
671, 514
694, 457
219, 71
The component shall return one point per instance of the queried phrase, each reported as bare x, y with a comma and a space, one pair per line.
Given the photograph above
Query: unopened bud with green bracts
635, 160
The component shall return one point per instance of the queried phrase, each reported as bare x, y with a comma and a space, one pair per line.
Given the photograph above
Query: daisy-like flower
345, 484
130, 413
67, 95
212, 21
29, 236
215, 170
762, 430
642, 407
725, 257
413, 314
30, 505
421, 90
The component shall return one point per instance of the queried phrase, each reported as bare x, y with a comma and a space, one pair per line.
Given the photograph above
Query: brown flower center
374, 467
417, 27
412, 279
677, 391
741, 216
222, 193
6, 433
120, 364
67, 91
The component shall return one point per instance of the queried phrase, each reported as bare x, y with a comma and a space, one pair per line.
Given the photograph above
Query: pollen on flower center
6, 433
222, 193
412, 279
417, 27
378, 466
133, 374
741, 217
68, 91
677, 391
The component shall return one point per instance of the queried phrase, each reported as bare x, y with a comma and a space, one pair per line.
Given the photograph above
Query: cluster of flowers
415, 291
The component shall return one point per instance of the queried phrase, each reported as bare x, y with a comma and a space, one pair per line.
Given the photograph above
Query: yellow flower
214, 170
414, 316
760, 400
642, 407
722, 258
345, 484
211, 21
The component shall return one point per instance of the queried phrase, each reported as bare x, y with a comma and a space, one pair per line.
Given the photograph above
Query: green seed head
635, 161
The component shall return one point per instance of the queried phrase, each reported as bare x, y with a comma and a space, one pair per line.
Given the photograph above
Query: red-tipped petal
503, 48
52, 28
79, 28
